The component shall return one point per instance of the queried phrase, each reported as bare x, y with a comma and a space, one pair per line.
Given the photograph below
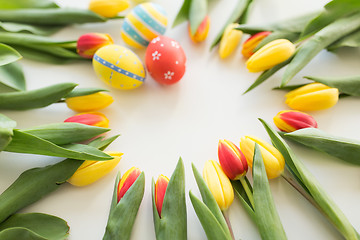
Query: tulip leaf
34, 184
63, 133
12, 76
6, 131
77, 92
352, 40
16, 4
349, 85
210, 202
318, 42
28, 28
289, 87
37, 98
19, 233
340, 147
267, 218
241, 193
172, 224
197, 13
183, 14
123, 214
327, 206
8, 54
210, 224
23, 142
238, 15
47, 226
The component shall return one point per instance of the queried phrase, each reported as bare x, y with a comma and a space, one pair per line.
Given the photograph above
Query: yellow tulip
312, 97
91, 171
270, 55
229, 40
273, 160
108, 8
219, 184
89, 103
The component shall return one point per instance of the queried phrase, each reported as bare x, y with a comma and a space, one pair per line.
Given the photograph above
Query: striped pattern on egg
145, 22
119, 67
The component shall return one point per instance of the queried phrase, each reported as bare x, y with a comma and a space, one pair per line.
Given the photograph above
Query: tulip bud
290, 120
127, 181
219, 184
92, 118
90, 102
229, 40
273, 160
108, 8
312, 97
89, 43
91, 171
202, 31
270, 55
160, 189
251, 43
232, 160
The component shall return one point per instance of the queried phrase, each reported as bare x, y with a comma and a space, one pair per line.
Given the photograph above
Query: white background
158, 124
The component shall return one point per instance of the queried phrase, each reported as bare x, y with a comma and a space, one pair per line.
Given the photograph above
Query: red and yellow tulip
251, 43
89, 43
127, 181
291, 120
202, 31
91, 118
160, 189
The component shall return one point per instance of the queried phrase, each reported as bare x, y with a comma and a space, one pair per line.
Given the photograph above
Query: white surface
160, 123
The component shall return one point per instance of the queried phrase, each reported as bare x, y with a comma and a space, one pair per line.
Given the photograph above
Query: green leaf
267, 218
197, 13
348, 85
47, 226
210, 224
342, 148
50, 16
12, 76
6, 131
26, 143
28, 28
123, 214
34, 184
210, 202
238, 15
63, 133
19, 233
328, 207
352, 40
319, 41
8, 54
37, 98
15, 4
183, 14
77, 92
172, 224
289, 87
240, 192
29, 40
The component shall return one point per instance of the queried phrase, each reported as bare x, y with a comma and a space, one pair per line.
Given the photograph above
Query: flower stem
225, 214
248, 191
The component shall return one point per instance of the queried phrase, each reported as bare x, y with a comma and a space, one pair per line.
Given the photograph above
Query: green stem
248, 191
226, 217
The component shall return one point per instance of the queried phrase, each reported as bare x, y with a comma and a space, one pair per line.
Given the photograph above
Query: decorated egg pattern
165, 60
145, 22
119, 67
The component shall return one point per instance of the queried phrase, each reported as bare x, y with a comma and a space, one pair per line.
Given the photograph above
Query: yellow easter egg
119, 67
145, 22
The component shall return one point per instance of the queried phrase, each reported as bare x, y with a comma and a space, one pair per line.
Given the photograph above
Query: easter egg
119, 67
165, 60
145, 22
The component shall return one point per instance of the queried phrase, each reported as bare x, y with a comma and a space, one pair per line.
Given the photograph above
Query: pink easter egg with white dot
165, 60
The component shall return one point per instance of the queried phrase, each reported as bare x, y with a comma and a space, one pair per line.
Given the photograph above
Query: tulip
251, 43
91, 171
89, 43
91, 118
202, 31
127, 181
108, 8
290, 120
273, 160
270, 55
219, 184
160, 189
312, 97
90, 102
229, 40
232, 160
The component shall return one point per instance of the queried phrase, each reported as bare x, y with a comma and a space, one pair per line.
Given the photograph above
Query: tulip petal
90, 102
230, 40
